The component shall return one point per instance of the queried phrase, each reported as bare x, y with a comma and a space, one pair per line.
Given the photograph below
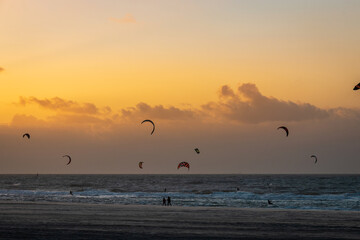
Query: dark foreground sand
89, 221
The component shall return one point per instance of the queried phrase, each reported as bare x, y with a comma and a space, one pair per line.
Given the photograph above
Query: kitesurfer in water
169, 201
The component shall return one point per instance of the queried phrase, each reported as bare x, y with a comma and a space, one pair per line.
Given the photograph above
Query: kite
69, 159
147, 120
357, 87
184, 164
197, 150
286, 130
313, 156
26, 135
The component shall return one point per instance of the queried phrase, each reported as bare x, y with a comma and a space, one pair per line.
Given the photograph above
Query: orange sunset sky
80, 76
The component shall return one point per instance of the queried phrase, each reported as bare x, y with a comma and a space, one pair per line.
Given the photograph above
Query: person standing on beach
164, 202
169, 201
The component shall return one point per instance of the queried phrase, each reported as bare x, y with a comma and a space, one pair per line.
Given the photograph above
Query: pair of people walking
168, 203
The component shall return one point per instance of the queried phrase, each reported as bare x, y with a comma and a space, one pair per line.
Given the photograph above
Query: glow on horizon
301, 51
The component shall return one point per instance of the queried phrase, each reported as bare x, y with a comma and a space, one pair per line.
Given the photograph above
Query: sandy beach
26, 220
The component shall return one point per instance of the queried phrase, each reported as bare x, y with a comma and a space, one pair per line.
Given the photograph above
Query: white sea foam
286, 191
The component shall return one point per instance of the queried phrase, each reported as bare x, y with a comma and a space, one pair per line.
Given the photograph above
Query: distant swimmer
71, 193
357, 87
26, 135
269, 202
285, 129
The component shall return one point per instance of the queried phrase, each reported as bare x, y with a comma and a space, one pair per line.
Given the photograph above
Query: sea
320, 192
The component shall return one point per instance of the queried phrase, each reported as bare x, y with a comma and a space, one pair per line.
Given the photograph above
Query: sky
80, 77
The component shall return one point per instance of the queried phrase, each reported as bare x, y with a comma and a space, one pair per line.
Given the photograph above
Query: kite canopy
286, 130
26, 135
197, 150
357, 87
148, 120
140, 164
313, 156
68, 158
184, 164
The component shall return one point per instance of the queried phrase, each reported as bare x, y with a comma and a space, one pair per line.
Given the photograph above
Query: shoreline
173, 206
177, 206
39, 220
175, 174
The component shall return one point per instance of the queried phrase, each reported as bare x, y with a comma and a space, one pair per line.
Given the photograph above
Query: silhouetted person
237, 189
269, 202
164, 189
164, 202
169, 201
71, 193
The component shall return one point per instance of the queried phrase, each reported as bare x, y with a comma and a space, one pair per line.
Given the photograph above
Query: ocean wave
116, 190
195, 182
285, 193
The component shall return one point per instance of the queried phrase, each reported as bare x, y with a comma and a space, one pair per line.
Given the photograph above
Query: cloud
128, 18
346, 113
59, 104
68, 114
248, 105
20, 120
104, 142
245, 105
157, 112
226, 91
79, 122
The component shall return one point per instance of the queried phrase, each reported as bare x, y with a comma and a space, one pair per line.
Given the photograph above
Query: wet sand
27, 220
